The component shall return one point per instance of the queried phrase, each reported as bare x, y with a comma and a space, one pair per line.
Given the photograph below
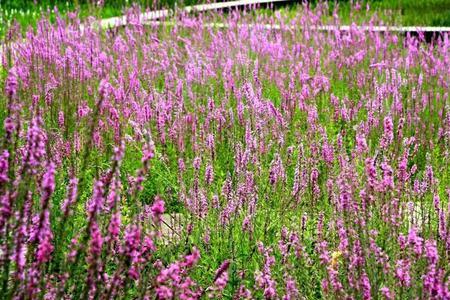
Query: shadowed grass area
393, 12
430, 12
412, 12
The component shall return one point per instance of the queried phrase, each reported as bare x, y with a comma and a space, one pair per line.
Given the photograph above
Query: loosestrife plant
183, 160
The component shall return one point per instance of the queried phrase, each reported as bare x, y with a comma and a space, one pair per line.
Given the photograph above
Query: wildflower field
184, 160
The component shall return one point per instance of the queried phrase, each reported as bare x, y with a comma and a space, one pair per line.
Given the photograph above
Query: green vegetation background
410, 12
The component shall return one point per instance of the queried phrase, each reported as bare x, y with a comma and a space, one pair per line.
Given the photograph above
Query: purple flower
114, 225
11, 84
388, 178
402, 272
209, 174
388, 134
197, 162
71, 196
191, 259
61, 119
96, 240
148, 152
292, 291
36, 142
44, 250
431, 251
223, 268
415, 241
95, 204
365, 283
164, 292
277, 172
221, 278
387, 294
157, 208
4, 167
45, 236
48, 182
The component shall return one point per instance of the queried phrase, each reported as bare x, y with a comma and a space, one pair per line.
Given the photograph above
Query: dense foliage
299, 163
